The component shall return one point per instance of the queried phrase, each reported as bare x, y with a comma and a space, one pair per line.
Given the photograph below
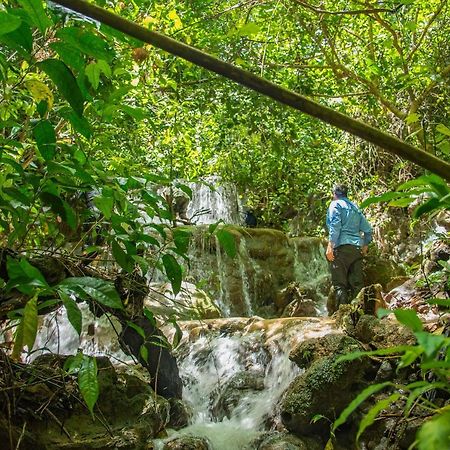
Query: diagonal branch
354, 12
263, 86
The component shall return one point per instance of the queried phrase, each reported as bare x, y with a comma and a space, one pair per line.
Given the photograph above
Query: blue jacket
347, 224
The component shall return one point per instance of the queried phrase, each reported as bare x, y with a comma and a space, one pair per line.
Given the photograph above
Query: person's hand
330, 253
364, 250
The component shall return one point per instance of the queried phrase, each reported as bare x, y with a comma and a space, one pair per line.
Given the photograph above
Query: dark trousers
347, 273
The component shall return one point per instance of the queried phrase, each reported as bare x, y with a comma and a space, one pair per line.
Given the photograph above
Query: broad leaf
66, 83
173, 272
380, 198
8, 22
73, 312
100, 290
227, 241
44, 133
409, 318
122, 258
37, 14
88, 382
21, 39
435, 433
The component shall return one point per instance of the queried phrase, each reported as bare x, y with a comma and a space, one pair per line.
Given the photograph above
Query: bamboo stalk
285, 96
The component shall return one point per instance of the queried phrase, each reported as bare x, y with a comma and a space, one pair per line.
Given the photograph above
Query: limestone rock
325, 388
188, 443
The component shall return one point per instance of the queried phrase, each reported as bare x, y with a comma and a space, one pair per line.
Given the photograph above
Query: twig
21, 435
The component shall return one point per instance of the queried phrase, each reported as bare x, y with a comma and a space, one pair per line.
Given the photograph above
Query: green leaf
370, 417
443, 129
418, 392
249, 29
380, 352
30, 323
143, 352
66, 83
21, 39
37, 14
135, 113
445, 302
139, 330
173, 272
178, 334
73, 312
87, 42
23, 276
227, 241
61, 208
100, 290
8, 22
435, 433
45, 137
401, 202
409, 318
69, 54
18, 340
431, 343
380, 198
362, 396
105, 203
80, 124
412, 118
88, 382
122, 258
431, 205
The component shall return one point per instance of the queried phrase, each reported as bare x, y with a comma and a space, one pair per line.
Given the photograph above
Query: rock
370, 299
296, 301
396, 282
180, 414
382, 333
326, 388
380, 270
188, 443
283, 441
226, 398
307, 352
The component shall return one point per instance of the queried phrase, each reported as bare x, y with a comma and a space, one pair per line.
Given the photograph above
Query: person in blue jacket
349, 236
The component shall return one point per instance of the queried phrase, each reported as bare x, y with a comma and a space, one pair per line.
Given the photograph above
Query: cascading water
233, 380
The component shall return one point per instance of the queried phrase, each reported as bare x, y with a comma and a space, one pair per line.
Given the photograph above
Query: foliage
432, 357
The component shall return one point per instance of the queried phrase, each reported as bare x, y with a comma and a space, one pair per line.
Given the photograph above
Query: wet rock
284, 441
380, 270
188, 443
381, 333
296, 301
313, 349
180, 414
396, 282
325, 388
225, 399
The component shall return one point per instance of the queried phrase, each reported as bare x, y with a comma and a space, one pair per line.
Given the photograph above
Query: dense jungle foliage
89, 116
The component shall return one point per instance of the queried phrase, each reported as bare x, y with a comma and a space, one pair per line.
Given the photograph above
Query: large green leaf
69, 54
8, 22
66, 83
173, 272
73, 312
44, 133
409, 318
380, 198
30, 323
23, 276
61, 208
435, 433
100, 290
87, 42
21, 39
122, 257
227, 241
36, 11
88, 382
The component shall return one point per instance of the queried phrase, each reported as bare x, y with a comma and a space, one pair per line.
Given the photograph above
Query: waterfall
245, 372
214, 200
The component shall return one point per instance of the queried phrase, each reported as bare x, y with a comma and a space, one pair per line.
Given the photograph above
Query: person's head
340, 190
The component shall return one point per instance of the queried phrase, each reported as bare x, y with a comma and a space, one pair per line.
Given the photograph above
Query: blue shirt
347, 224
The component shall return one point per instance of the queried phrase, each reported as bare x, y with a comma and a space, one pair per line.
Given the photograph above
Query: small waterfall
244, 261
233, 381
213, 201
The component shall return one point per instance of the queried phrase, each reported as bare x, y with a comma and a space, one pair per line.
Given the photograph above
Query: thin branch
345, 12
425, 30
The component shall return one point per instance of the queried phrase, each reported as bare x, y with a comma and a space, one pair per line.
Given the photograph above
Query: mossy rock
326, 387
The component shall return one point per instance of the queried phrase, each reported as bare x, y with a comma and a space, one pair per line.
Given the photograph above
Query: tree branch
263, 86
345, 12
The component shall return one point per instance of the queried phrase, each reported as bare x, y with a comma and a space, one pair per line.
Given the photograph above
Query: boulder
188, 443
283, 441
325, 388
225, 399
180, 414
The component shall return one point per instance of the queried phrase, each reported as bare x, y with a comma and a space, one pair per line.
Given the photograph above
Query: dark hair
340, 190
